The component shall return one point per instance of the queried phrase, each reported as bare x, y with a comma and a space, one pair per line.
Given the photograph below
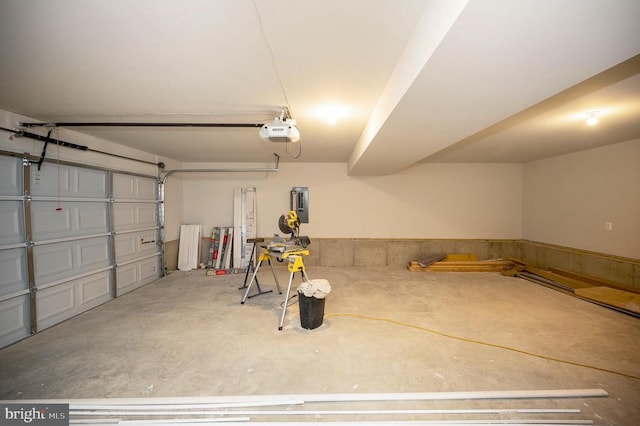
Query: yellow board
611, 296
461, 257
463, 266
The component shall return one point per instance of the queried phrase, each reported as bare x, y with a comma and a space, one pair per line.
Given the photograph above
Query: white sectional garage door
70, 232
14, 283
135, 222
71, 238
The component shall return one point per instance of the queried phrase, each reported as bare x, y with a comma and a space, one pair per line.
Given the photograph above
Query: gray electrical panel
300, 202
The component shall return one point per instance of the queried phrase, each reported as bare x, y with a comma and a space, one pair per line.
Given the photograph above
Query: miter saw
291, 252
289, 223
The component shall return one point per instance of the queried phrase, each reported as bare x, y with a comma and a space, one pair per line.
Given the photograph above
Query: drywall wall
569, 199
172, 209
424, 201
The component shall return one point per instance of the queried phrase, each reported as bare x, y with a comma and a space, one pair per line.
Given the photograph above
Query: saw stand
265, 255
294, 264
251, 267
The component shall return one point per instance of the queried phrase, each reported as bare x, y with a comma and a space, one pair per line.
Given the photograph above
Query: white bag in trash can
318, 288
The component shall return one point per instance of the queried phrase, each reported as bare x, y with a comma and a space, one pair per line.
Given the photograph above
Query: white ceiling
418, 80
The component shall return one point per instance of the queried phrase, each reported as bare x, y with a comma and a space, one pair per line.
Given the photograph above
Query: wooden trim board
611, 296
594, 281
462, 266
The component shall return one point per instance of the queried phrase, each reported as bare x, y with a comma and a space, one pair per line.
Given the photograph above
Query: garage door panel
11, 223
62, 301
149, 269
93, 254
127, 278
124, 216
125, 245
147, 215
92, 218
13, 277
96, 288
134, 187
75, 218
129, 216
55, 304
134, 275
52, 262
147, 189
49, 223
147, 242
68, 181
14, 317
135, 244
10, 176
56, 261
90, 183
124, 186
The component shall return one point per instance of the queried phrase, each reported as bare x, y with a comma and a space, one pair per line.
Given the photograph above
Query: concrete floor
188, 335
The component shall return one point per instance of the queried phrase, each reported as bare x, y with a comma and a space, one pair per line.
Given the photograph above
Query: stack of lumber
593, 289
464, 262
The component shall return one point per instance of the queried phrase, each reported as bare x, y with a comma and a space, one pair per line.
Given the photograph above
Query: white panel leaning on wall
189, 247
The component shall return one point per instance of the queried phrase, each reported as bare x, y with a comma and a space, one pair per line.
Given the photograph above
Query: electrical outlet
608, 226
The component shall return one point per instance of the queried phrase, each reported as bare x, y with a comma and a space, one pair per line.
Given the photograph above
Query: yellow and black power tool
289, 223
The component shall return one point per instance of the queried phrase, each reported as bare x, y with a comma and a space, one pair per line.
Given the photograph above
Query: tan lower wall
613, 268
171, 255
377, 252
399, 252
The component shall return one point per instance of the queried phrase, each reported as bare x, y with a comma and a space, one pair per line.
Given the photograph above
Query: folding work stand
294, 264
251, 267
263, 256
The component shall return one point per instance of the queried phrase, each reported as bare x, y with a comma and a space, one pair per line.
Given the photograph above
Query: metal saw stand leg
251, 267
264, 256
295, 265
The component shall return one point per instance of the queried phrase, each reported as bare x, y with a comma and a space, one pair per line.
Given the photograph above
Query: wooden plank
612, 296
595, 281
462, 266
517, 261
477, 267
535, 280
620, 300
512, 271
455, 257
570, 282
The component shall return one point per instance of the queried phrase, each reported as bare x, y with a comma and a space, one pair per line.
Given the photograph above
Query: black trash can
311, 311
